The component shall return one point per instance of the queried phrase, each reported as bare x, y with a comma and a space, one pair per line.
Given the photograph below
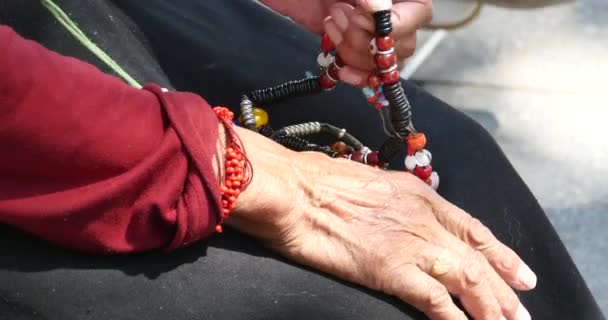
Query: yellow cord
65, 20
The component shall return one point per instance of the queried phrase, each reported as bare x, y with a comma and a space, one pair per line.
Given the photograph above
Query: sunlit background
537, 80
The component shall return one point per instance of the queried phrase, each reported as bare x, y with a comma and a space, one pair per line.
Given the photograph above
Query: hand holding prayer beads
383, 92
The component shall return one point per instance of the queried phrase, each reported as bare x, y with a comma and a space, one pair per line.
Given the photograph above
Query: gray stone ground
538, 81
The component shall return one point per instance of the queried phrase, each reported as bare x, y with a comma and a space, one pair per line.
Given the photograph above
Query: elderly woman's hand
385, 230
351, 28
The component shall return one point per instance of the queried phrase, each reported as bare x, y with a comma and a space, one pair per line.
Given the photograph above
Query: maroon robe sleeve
92, 164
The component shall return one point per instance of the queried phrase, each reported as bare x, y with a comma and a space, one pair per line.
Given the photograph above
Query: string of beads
383, 91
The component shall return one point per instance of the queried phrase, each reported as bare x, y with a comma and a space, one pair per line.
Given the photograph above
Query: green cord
65, 20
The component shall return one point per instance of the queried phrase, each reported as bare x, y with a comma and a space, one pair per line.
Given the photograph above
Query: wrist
274, 190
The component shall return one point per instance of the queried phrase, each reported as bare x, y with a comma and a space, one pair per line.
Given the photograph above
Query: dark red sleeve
92, 164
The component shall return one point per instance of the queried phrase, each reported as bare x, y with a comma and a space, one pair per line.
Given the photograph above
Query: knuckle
478, 235
473, 271
437, 299
508, 263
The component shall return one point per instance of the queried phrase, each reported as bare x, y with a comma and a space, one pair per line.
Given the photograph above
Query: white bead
410, 162
423, 158
373, 48
434, 180
379, 5
324, 60
164, 89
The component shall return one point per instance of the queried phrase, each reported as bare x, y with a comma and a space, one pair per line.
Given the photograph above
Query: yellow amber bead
261, 117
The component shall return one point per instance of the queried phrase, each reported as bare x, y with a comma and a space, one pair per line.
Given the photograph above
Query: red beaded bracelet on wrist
238, 172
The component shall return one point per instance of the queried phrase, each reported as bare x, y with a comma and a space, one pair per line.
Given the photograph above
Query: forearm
93, 164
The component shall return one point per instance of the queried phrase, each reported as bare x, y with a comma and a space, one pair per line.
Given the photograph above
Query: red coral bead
372, 159
339, 62
326, 44
385, 61
357, 156
326, 83
373, 81
390, 77
424, 172
333, 72
218, 229
385, 43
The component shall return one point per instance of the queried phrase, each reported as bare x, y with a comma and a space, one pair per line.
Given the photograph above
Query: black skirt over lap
220, 50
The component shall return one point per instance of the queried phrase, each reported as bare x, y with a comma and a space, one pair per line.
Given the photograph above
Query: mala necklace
383, 91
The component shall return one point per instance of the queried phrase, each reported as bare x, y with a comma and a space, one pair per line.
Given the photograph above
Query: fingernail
333, 32
503, 318
522, 313
351, 77
526, 276
340, 18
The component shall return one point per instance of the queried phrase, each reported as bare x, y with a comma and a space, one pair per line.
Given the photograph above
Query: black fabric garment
221, 49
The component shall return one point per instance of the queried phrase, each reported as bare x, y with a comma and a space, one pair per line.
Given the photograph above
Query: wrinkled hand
351, 28
384, 230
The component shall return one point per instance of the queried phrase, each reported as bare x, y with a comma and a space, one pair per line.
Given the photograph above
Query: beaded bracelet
238, 172
383, 91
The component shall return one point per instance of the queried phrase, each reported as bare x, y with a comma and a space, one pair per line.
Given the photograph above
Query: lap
221, 49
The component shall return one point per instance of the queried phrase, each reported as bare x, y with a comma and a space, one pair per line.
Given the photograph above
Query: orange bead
390, 77
232, 199
230, 170
218, 229
340, 147
385, 61
385, 43
416, 141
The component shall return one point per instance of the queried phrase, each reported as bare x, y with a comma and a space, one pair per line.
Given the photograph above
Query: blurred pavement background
537, 79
